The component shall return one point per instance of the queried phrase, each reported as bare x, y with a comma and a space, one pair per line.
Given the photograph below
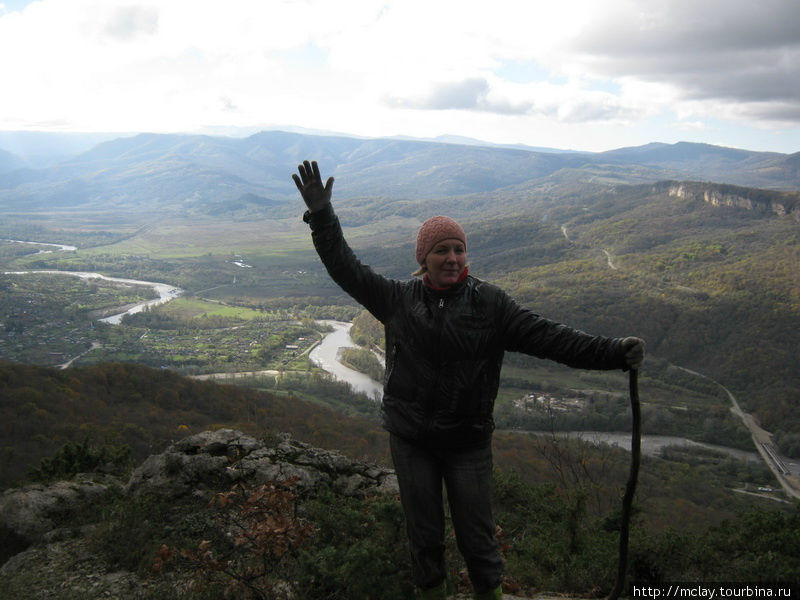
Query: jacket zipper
435, 386
392, 362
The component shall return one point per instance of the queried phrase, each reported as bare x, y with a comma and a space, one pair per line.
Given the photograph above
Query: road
68, 364
789, 478
611, 264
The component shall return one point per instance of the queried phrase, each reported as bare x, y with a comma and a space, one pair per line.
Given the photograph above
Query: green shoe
495, 594
436, 593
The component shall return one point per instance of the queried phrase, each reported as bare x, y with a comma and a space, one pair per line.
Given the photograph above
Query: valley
696, 255
217, 340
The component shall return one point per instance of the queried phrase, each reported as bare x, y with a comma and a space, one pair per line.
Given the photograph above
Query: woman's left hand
634, 349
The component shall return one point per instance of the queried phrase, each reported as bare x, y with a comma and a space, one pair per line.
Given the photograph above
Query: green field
193, 308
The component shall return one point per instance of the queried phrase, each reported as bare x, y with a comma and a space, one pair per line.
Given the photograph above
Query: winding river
165, 291
651, 444
326, 356
56, 247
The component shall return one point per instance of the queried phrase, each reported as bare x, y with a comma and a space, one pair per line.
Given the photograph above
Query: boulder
27, 514
214, 460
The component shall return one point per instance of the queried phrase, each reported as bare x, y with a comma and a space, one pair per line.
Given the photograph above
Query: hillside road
786, 471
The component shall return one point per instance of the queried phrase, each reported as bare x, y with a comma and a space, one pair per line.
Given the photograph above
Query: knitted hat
433, 231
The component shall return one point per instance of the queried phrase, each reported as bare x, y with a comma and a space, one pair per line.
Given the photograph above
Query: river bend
165, 291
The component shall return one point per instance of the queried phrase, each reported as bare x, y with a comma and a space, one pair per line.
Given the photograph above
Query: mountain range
210, 174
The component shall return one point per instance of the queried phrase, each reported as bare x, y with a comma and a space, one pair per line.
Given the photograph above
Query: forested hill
204, 174
706, 273
145, 409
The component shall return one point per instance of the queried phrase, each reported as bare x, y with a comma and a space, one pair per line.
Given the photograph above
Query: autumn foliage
260, 532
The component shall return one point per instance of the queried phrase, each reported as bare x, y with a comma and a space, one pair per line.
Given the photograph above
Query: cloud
721, 51
738, 57
565, 104
777, 111
468, 94
227, 104
595, 110
129, 22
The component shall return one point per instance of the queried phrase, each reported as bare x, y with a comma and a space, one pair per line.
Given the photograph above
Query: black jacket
445, 348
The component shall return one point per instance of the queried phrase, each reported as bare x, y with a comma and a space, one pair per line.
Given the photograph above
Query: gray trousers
467, 476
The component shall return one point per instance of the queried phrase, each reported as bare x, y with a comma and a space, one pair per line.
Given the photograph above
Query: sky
572, 74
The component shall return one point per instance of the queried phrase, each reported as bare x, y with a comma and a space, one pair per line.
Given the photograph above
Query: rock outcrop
29, 514
198, 465
766, 201
214, 460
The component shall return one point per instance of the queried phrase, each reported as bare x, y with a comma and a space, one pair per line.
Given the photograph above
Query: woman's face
446, 262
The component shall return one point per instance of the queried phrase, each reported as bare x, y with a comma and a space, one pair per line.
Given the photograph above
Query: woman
445, 338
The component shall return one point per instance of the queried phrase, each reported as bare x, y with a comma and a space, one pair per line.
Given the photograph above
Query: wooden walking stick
630, 487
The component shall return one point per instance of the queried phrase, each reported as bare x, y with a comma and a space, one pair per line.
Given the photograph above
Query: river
651, 444
165, 291
326, 356
57, 247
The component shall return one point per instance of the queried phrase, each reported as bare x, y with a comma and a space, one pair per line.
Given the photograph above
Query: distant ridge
467, 141
39, 149
10, 162
184, 172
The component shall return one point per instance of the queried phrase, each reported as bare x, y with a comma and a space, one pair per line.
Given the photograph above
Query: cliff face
767, 201
43, 548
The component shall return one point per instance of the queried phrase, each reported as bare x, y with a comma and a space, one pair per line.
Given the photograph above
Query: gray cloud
227, 104
739, 53
468, 94
129, 22
475, 94
729, 50
464, 94
776, 111
584, 112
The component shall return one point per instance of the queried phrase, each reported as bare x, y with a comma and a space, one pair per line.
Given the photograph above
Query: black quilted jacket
445, 348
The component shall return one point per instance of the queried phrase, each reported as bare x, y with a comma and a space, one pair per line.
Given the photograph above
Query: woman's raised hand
309, 183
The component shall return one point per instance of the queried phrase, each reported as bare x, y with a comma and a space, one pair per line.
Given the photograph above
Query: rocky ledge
52, 561
213, 460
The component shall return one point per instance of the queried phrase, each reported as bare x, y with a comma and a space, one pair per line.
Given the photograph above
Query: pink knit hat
433, 231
